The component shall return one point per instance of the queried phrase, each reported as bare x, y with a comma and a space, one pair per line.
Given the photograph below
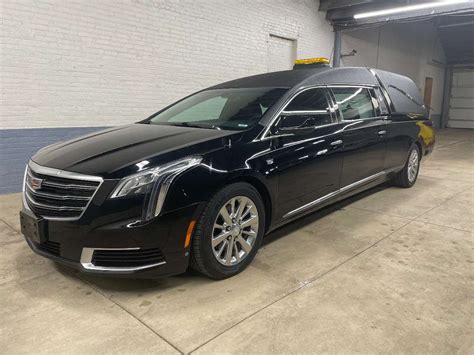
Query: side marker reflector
189, 233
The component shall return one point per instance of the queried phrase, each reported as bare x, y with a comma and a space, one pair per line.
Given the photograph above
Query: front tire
229, 232
407, 177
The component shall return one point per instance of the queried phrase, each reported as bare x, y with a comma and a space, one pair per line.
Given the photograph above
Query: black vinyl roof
403, 92
283, 79
304, 77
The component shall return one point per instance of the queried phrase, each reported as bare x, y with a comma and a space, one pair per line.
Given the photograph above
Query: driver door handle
335, 143
381, 133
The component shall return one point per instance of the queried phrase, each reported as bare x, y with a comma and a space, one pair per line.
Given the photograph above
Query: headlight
155, 183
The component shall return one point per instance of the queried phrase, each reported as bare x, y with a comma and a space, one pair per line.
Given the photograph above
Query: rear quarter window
354, 103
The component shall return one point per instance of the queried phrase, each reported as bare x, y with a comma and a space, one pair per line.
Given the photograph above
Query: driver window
310, 108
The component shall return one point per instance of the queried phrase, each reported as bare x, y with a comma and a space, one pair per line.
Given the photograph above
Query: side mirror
295, 124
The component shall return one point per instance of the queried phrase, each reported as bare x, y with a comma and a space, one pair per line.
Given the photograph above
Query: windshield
235, 109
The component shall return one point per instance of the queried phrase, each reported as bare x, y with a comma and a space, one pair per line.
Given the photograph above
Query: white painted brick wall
99, 63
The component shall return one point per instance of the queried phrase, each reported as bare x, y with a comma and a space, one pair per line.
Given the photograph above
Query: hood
113, 153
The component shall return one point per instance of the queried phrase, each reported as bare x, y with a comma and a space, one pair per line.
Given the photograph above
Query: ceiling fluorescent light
397, 10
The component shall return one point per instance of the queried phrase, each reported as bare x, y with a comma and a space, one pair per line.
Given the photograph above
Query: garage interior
389, 270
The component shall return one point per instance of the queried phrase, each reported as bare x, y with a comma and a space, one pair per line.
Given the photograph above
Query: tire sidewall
216, 203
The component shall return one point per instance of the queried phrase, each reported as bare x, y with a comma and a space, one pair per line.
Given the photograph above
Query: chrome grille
57, 194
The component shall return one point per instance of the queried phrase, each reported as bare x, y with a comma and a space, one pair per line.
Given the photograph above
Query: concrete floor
387, 271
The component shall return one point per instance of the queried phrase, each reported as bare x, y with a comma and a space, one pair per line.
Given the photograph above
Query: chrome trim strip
43, 170
51, 207
88, 253
25, 204
63, 186
307, 112
39, 169
363, 181
337, 192
57, 197
69, 186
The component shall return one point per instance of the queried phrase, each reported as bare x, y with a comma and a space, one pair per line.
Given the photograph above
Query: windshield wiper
193, 125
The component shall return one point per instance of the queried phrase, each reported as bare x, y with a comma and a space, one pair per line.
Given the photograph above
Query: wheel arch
420, 148
262, 190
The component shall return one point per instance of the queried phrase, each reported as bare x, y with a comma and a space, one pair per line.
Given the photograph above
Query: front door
364, 135
308, 164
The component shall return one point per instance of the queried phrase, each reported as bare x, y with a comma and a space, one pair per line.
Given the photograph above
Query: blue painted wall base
18, 145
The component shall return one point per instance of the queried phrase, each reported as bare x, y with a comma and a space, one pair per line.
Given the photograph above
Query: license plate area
33, 228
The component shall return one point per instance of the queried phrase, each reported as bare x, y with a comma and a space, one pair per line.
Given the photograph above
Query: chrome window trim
43, 170
264, 135
382, 87
339, 113
361, 120
338, 192
332, 106
302, 112
88, 253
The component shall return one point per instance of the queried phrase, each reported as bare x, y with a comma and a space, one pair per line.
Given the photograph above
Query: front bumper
124, 248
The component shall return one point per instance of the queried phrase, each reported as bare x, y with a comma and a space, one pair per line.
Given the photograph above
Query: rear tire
407, 177
228, 232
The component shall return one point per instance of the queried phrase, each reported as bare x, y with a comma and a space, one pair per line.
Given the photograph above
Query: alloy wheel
235, 230
413, 163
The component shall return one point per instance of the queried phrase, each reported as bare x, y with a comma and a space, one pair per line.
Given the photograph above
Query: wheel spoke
236, 252
218, 226
249, 222
228, 255
244, 244
232, 207
221, 249
225, 215
242, 204
246, 212
221, 237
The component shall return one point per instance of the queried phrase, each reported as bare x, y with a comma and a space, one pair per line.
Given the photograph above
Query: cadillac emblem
35, 183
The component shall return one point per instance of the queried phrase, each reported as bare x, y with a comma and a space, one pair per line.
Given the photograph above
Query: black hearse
202, 181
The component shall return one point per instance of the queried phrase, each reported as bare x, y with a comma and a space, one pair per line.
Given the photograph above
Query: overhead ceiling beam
344, 19
468, 23
325, 5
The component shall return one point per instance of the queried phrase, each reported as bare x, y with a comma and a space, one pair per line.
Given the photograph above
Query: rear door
363, 136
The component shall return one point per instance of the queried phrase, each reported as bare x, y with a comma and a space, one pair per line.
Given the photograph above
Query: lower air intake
49, 247
127, 258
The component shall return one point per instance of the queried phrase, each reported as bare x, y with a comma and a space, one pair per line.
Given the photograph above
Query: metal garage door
461, 105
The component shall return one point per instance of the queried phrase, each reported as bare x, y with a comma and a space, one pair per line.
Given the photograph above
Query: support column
448, 76
337, 49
